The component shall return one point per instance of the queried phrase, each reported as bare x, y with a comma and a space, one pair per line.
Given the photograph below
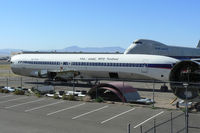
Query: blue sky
56, 24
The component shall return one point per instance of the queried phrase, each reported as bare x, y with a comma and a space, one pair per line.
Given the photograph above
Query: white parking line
148, 119
23, 103
13, 99
65, 109
117, 115
43, 106
89, 112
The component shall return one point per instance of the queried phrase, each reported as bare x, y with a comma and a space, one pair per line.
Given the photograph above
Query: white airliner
93, 66
108, 66
144, 46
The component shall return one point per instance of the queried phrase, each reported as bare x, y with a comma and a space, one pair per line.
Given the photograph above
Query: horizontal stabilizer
198, 46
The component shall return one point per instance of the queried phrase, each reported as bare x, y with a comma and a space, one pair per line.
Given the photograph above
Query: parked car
144, 101
79, 93
10, 89
182, 104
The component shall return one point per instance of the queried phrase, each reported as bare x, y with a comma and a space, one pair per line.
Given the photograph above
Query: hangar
115, 91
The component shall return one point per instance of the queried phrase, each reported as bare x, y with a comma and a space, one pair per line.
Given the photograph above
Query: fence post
7, 82
73, 82
153, 91
123, 92
96, 92
21, 81
141, 128
186, 116
154, 125
171, 123
129, 128
9, 74
37, 83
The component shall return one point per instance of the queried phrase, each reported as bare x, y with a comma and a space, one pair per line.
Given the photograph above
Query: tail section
198, 46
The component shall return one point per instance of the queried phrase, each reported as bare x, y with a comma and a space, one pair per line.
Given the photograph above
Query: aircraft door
144, 67
61, 66
70, 66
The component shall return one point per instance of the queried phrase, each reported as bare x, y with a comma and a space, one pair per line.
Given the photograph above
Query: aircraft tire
164, 88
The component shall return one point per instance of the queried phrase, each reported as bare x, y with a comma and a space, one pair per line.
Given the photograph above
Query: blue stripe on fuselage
163, 66
185, 57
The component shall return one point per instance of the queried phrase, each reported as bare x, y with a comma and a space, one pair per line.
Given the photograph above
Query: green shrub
71, 97
64, 97
37, 94
5, 91
99, 99
19, 92
1, 90
28, 94
56, 96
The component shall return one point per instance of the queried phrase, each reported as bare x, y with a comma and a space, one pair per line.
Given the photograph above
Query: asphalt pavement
30, 114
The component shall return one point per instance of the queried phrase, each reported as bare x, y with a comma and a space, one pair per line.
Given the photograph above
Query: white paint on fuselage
95, 71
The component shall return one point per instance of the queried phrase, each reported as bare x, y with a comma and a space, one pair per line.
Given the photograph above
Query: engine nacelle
186, 74
40, 73
63, 76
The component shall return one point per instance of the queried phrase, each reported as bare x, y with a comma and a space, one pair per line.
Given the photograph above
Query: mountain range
6, 52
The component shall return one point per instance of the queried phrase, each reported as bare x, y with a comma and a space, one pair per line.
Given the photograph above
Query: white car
144, 101
75, 93
10, 89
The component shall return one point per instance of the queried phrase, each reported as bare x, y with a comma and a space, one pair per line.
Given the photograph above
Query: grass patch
7, 71
5, 67
7, 75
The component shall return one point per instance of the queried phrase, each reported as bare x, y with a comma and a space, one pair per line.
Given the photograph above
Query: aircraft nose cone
13, 65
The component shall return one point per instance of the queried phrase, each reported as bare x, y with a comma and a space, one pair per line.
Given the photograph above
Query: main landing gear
164, 88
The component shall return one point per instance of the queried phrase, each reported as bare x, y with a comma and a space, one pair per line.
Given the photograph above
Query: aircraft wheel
47, 82
164, 88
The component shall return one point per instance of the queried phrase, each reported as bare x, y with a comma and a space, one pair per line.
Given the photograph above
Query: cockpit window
138, 42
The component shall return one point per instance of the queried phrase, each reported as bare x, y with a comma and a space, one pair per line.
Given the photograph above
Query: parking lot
32, 114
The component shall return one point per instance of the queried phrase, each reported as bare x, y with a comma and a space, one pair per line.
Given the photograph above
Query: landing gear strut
48, 82
164, 88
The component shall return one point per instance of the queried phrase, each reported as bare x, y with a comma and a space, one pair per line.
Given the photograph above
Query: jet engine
40, 73
63, 76
185, 80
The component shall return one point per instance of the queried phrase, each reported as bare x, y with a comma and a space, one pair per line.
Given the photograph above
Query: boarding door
144, 67
61, 67
70, 68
